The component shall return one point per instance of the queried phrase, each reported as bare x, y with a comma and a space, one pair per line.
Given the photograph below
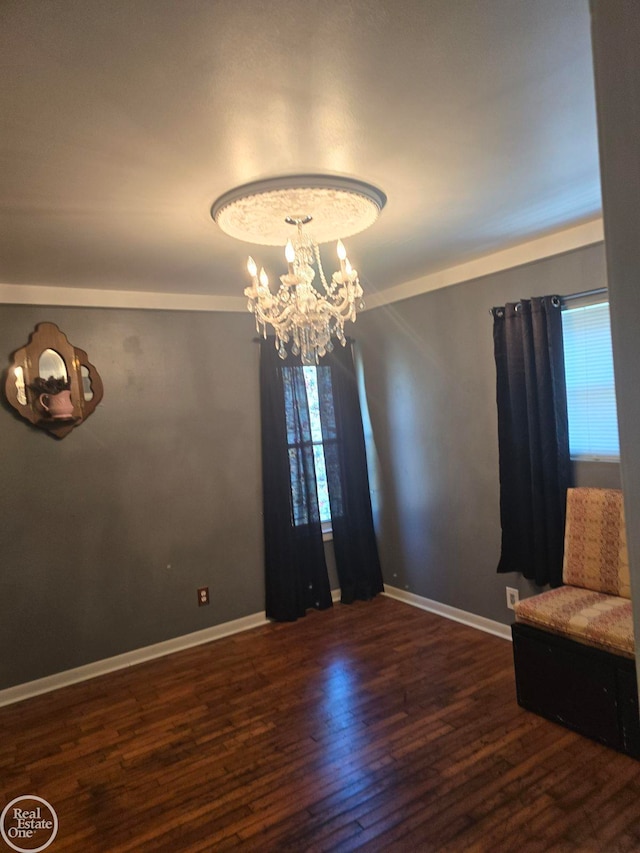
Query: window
312, 443
311, 385
591, 399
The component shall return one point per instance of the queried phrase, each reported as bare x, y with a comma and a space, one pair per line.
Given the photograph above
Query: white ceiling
121, 121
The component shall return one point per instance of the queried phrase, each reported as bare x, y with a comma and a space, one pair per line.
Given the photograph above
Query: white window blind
591, 399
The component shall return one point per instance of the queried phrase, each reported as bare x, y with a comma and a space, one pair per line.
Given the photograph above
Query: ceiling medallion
301, 211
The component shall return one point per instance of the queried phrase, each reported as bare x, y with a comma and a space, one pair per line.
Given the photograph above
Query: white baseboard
101, 667
489, 626
20, 692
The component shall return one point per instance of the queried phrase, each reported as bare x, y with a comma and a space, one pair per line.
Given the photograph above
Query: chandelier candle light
308, 316
298, 312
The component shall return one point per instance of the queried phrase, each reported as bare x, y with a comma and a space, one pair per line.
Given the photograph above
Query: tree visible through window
309, 442
313, 399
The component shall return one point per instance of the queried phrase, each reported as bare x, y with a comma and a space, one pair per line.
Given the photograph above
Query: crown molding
557, 243
85, 297
567, 240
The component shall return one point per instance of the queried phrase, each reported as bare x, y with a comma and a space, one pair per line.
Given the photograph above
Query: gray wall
106, 534
430, 386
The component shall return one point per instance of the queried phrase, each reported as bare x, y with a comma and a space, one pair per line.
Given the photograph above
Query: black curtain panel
533, 437
296, 576
354, 538
295, 568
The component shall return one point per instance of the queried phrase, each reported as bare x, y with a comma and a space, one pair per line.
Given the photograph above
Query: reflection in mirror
20, 389
51, 364
87, 391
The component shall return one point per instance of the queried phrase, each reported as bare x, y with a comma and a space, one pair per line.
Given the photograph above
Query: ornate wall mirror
51, 383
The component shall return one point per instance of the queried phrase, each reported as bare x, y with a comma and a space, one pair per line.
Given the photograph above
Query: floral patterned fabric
589, 617
595, 542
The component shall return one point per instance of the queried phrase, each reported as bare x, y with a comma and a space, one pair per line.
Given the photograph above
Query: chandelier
301, 211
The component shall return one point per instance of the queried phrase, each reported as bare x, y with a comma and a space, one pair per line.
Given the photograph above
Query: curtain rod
584, 293
597, 291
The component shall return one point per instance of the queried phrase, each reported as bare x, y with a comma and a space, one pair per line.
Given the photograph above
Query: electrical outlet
513, 597
203, 596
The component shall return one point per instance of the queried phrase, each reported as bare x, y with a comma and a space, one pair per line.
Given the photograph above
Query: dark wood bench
573, 646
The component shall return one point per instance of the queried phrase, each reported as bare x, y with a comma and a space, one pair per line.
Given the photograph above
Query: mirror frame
48, 336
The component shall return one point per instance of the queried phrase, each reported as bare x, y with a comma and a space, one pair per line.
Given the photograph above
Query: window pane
298, 495
305, 438
325, 395
311, 383
296, 405
321, 481
591, 401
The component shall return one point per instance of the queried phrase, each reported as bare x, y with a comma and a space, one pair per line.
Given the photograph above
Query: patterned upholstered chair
574, 646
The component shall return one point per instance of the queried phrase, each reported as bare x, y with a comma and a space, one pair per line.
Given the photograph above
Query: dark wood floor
375, 726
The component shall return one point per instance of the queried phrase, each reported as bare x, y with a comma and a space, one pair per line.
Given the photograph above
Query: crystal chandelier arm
346, 309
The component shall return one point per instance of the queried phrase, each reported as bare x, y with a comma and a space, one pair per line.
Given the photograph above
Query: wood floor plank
374, 727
